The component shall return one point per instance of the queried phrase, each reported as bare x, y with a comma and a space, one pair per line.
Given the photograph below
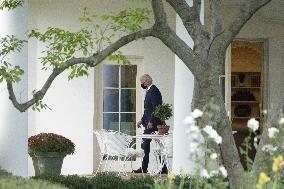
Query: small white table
152, 136
156, 138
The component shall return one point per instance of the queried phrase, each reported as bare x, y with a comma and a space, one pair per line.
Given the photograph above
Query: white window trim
98, 105
119, 88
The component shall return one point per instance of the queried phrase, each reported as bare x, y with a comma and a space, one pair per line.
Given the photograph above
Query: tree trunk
208, 90
262, 159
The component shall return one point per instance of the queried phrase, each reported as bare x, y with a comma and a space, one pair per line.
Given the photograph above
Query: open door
244, 92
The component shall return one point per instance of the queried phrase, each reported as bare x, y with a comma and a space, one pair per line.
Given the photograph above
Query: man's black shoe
164, 171
139, 171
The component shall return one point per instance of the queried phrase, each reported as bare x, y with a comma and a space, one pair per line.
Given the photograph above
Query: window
119, 98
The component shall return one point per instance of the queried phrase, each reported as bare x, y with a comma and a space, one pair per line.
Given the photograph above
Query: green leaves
8, 45
79, 71
115, 25
119, 58
245, 150
130, 20
163, 111
39, 105
11, 4
62, 45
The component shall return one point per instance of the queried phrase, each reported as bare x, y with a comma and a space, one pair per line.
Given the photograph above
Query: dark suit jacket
152, 99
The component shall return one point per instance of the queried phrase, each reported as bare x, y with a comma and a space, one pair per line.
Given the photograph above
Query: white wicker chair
100, 134
116, 144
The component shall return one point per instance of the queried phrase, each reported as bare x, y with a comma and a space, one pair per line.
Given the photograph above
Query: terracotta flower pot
48, 163
163, 129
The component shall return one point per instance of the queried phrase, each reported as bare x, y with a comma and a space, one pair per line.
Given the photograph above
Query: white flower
272, 132
193, 147
223, 171
212, 134
281, 121
213, 173
253, 124
268, 148
196, 113
204, 173
189, 120
213, 156
193, 132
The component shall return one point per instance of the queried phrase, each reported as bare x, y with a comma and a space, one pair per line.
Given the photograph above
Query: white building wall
13, 124
72, 102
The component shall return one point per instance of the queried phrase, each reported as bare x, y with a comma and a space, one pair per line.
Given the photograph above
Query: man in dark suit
153, 98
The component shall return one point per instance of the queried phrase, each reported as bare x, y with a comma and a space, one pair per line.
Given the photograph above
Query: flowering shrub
50, 142
184, 181
208, 173
274, 181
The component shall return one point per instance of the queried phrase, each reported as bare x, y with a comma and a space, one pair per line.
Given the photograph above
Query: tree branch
248, 9
159, 13
190, 17
91, 61
172, 41
182, 50
197, 6
216, 16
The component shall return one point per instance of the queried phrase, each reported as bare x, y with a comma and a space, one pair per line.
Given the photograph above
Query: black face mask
143, 86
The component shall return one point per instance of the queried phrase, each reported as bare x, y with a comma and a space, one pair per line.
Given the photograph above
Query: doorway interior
247, 58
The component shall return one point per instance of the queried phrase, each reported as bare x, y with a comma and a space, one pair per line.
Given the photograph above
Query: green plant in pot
163, 112
48, 151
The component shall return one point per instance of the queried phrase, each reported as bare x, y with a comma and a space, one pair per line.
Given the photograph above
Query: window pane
128, 76
111, 121
128, 123
128, 100
111, 77
111, 100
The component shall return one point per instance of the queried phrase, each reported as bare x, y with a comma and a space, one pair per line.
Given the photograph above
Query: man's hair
147, 77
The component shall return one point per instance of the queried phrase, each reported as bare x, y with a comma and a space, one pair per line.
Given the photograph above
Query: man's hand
150, 125
139, 124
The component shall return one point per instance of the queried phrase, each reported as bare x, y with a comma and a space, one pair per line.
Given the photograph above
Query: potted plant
48, 151
163, 112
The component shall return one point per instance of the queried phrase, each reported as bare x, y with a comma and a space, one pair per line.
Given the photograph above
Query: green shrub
100, 181
186, 180
70, 181
140, 182
216, 182
108, 181
282, 176
4, 173
9, 182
